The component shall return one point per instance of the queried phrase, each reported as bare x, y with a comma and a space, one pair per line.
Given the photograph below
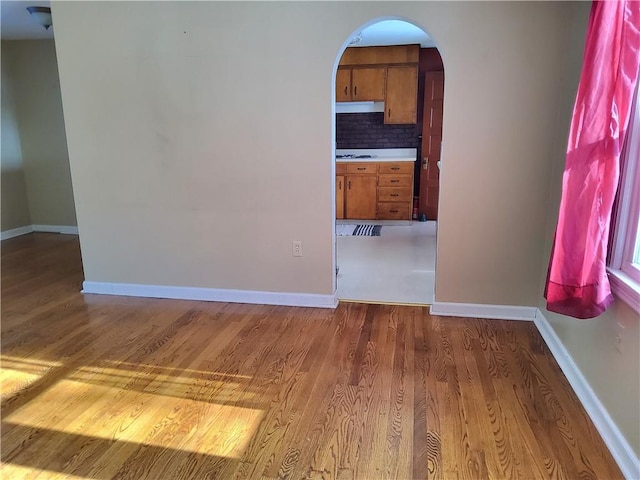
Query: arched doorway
379, 118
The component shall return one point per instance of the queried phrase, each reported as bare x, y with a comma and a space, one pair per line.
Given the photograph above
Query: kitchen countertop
379, 155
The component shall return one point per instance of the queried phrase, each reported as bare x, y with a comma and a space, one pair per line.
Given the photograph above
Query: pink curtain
577, 283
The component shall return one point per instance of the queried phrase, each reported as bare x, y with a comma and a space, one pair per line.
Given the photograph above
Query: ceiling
393, 32
16, 23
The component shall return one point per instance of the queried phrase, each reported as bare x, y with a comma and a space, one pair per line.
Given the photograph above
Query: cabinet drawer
394, 211
399, 167
393, 194
341, 168
361, 168
400, 180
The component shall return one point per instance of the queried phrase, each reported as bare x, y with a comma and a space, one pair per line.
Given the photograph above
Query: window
624, 264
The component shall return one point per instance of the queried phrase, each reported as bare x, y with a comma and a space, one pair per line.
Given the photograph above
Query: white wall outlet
297, 248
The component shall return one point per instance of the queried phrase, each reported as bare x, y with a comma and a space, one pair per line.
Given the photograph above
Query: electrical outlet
297, 248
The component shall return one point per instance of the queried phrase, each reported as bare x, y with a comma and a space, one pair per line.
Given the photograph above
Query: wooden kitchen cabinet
388, 74
339, 196
374, 190
360, 198
401, 104
360, 84
381, 55
395, 190
368, 84
343, 85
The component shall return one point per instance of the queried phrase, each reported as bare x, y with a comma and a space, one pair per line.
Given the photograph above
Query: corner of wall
618, 445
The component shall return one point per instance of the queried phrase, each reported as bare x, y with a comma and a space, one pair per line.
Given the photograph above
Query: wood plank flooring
111, 387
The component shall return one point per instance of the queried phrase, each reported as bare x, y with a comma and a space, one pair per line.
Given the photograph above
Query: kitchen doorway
377, 130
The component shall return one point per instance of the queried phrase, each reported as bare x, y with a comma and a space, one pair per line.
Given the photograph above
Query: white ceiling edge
16, 22
393, 32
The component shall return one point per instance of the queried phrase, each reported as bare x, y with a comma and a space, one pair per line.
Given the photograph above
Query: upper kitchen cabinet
380, 55
368, 84
401, 105
388, 74
360, 84
343, 85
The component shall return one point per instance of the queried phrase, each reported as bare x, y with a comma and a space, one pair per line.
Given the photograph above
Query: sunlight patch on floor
18, 373
18, 472
115, 412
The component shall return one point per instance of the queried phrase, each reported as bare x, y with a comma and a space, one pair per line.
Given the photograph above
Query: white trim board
620, 449
212, 294
16, 232
476, 310
65, 229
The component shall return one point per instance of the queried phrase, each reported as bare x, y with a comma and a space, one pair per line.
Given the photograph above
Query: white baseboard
212, 294
16, 232
476, 310
66, 229
620, 449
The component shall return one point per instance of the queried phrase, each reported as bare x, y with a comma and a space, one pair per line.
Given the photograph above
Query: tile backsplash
367, 130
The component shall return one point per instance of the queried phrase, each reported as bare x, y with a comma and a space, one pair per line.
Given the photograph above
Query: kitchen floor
396, 267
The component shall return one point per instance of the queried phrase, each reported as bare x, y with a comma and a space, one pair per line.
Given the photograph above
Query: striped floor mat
367, 230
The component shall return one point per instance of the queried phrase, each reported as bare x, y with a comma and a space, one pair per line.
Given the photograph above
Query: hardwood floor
111, 387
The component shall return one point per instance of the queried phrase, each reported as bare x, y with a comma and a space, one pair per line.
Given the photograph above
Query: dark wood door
431, 144
361, 201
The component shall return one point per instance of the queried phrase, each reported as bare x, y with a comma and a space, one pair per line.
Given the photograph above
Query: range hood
359, 107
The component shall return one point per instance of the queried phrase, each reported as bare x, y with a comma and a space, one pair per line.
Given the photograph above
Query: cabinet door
402, 95
368, 84
343, 85
361, 199
340, 196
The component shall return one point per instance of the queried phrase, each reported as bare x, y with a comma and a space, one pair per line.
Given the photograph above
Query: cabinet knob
346, 91
395, 181
362, 168
425, 162
349, 184
389, 113
395, 194
395, 168
340, 185
355, 90
393, 211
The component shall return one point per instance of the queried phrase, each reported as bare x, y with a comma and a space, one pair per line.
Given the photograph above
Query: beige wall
14, 211
200, 140
32, 68
611, 368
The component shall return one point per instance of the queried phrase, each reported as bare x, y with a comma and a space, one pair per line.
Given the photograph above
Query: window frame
624, 275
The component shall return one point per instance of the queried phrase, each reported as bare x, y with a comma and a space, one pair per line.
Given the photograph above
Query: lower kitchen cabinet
395, 190
374, 191
339, 196
361, 201
394, 211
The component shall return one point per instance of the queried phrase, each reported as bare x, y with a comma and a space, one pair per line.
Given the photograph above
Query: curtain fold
577, 283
